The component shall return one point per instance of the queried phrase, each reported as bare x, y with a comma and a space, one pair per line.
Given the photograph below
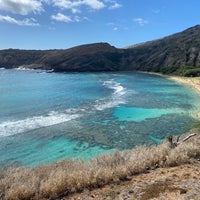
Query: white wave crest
105, 104
116, 98
117, 87
52, 118
21, 68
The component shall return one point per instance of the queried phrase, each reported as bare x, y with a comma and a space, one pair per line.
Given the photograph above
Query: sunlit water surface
45, 117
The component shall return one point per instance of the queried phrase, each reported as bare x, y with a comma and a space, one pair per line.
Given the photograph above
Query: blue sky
61, 24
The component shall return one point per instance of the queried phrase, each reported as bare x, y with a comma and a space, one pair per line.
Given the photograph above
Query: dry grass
70, 176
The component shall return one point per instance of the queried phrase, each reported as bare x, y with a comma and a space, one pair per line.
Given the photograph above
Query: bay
45, 117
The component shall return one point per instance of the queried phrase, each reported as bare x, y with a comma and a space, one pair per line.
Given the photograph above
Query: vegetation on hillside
69, 176
175, 54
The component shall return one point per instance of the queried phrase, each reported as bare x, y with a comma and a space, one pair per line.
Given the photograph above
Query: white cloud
94, 4
64, 18
75, 10
74, 6
112, 4
24, 22
61, 18
22, 7
115, 6
140, 21
27, 7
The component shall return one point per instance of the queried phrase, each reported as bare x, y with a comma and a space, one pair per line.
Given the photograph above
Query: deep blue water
45, 117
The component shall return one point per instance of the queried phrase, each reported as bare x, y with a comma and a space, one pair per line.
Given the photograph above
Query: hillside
90, 57
171, 183
173, 54
177, 54
141, 173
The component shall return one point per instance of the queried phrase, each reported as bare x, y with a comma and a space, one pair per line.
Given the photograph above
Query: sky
62, 24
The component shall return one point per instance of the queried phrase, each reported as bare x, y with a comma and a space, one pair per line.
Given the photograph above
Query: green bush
192, 72
168, 69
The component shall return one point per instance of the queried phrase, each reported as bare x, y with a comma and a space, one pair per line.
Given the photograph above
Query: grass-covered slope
70, 176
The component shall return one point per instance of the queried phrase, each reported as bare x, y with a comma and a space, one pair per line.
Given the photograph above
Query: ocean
46, 117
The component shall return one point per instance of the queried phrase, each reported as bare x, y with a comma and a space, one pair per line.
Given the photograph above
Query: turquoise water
46, 117
136, 114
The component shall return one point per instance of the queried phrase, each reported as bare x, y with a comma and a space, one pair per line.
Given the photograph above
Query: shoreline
193, 83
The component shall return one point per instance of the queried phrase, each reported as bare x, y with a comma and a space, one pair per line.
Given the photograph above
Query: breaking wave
117, 87
115, 99
52, 118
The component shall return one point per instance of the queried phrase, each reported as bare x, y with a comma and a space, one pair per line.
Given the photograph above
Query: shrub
68, 176
192, 72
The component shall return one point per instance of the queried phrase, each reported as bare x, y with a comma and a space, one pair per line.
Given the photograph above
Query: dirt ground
175, 183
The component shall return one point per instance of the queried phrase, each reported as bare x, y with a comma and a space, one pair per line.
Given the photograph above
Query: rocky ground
174, 183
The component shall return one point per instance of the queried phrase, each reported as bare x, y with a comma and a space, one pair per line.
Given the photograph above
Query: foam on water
52, 118
22, 68
116, 98
117, 87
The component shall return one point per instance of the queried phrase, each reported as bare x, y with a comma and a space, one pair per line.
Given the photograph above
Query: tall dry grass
69, 176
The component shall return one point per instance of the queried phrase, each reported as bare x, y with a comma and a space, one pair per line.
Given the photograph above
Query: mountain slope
175, 53
178, 54
90, 57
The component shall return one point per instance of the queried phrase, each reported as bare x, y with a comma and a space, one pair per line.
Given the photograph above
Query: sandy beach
193, 82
